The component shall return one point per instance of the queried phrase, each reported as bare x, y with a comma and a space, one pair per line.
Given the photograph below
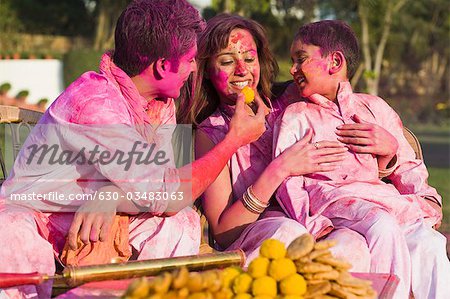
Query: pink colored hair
151, 29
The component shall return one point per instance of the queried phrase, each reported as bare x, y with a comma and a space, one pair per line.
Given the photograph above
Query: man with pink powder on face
396, 219
122, 109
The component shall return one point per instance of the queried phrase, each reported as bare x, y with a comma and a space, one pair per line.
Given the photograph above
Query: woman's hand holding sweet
244, 127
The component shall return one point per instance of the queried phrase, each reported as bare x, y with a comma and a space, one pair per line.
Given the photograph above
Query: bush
42, 102
5, 87
77, 62
22, 94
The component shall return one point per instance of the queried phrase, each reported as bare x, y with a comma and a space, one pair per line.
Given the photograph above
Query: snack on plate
325, 275
305, 269
300, 247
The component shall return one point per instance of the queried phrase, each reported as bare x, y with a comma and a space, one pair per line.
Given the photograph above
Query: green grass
432, 133
439, 179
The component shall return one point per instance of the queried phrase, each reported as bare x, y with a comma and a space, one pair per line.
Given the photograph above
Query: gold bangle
382, 173
252, 203
255, 199
246, 201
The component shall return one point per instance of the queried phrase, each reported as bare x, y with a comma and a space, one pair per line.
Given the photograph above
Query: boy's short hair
332, 35
151, 29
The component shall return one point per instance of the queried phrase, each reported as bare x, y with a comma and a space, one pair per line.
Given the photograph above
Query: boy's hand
304, 158
368, 138
245, 128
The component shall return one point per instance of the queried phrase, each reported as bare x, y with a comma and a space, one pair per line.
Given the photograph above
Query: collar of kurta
344, 90
138, 104
147, 115
344, 105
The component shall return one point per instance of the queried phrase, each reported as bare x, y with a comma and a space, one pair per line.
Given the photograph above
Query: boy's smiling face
310, 70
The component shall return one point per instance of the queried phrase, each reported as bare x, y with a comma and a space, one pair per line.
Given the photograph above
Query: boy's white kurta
390, 216
246, 165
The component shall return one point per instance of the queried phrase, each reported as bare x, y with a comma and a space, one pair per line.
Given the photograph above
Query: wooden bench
16, 123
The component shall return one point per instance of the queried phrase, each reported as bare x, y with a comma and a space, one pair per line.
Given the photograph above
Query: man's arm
93, 220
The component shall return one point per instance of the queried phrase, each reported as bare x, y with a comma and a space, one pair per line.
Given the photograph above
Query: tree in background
242, 7
56, 17
405, 52
372, 20
93, 19
419, 56
281, 18
108, 11
404, 43
10, 24
374, 50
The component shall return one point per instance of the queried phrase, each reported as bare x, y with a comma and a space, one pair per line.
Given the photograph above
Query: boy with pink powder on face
396, 219
130, 102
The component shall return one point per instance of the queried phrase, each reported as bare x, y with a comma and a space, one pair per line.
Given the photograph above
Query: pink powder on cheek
175, 84
256, 72
314, 68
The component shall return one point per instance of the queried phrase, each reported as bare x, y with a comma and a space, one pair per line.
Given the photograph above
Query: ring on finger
316, 145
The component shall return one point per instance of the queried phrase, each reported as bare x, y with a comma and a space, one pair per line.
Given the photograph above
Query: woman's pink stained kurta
356, 181
246, 165
104, 109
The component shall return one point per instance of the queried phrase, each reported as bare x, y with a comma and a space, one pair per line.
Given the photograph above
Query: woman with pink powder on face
233, 53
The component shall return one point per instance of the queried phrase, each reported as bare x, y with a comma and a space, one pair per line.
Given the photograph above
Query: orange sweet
249, 94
